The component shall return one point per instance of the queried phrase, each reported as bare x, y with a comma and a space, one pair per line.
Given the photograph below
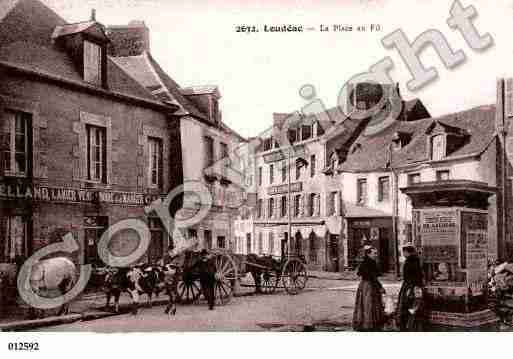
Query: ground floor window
94, 228
271, 243
13, 238
156, 247
221, 242
312, 250
208, 239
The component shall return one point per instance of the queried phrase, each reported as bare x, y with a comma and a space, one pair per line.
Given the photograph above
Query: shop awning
352, 210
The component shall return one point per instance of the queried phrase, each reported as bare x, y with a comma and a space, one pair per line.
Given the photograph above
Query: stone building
460, 147
208, 145
83, 145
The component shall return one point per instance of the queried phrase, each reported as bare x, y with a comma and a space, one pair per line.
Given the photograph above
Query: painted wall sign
294, 187
274, 157
72, 195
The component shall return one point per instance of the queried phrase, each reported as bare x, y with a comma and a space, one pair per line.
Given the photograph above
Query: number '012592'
23, 346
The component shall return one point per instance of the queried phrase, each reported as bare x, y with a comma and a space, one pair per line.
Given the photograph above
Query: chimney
129, 40
93, 14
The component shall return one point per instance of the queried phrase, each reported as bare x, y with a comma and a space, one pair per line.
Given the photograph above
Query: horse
257, 270
53, 277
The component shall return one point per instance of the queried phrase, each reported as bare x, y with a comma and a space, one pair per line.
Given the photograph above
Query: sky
261, 73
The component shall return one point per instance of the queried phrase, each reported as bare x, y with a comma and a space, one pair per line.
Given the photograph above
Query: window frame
95, 79
271, 173
312, 165
361, 195
11, 118
383, 196
155, 162
209, 150
102, 152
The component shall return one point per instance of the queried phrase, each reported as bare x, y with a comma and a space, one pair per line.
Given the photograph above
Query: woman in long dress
409, 308
368, 312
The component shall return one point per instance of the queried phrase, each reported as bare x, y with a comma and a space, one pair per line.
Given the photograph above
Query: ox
51, 278
136, 281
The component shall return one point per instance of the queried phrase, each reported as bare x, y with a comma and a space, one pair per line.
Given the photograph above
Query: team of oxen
55, 276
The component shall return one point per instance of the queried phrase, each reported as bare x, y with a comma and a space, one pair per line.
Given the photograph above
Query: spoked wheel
188, 289
226, 276
269, 282
294, 276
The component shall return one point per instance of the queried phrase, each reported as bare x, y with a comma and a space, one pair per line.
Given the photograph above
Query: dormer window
400, 140
92, 63
438, 147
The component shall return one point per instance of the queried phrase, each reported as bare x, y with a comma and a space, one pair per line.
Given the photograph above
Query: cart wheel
188, 289
294, 276
226, 276
269, 282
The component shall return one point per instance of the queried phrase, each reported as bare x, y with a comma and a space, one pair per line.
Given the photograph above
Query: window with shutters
13, 238
383, 189
15, 140
156, 246
92, 63
361, 191
297, 205
271, 173
283, 206
209, 151
155, 162
312, 165
96, 154
271, 208
437, 147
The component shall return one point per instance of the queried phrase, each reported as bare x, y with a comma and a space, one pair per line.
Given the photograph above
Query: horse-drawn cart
268, 272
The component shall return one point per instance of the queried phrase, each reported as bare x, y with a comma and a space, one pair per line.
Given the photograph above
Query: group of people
369, 313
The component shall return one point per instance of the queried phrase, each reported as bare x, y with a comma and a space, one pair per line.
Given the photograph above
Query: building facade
83, 145
456, 147
207, 145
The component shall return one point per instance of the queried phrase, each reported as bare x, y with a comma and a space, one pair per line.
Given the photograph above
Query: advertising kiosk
450, 232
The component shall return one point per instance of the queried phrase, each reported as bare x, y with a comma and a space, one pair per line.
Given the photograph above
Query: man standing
408, 313
207, 272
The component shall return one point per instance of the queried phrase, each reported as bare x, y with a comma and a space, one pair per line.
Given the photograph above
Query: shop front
376, 232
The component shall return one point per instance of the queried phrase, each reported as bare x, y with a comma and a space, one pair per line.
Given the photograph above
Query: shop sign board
72, 195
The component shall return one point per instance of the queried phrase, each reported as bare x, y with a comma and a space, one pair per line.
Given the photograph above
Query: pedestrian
207, 271
409, 310
368, 312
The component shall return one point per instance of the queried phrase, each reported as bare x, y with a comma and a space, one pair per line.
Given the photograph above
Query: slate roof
371, 153
25, 42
